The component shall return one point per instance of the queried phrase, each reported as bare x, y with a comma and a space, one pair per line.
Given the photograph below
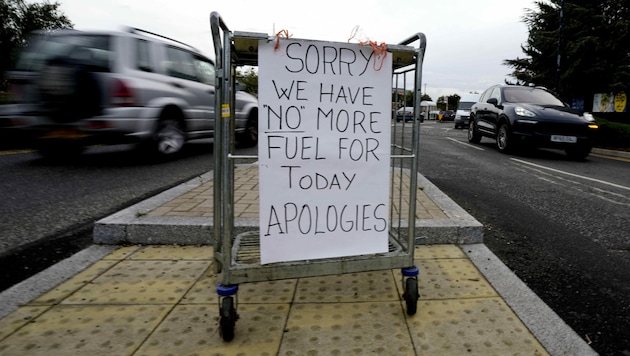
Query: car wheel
169, 138
473, 135
578, 153
249, 138
504, 139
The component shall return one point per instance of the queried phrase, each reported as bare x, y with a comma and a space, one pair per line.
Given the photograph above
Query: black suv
518, 115
76, 88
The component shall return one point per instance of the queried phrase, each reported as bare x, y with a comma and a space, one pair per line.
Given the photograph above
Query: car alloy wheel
169, 138
503, 138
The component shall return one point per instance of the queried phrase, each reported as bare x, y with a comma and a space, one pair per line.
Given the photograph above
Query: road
560, 225
48, 208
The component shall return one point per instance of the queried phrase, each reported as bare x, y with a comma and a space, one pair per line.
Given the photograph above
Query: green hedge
612, 134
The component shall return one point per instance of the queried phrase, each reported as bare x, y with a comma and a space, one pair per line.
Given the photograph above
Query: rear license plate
563, 139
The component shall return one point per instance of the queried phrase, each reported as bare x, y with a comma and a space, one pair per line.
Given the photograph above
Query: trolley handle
416, 37
216, 22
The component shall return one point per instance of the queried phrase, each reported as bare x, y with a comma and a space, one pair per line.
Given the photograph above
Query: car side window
143, 58
180, 64
485, 96
496, 94
205, 71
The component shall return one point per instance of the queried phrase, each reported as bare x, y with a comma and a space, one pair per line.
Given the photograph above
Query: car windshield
531, 96
91, 48
465, 105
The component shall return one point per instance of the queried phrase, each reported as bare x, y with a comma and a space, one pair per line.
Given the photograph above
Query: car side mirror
493, 101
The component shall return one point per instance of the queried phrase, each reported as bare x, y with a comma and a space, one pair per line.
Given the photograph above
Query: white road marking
572, 174
465, 144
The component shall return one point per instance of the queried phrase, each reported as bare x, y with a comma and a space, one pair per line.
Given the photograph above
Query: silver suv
75, 88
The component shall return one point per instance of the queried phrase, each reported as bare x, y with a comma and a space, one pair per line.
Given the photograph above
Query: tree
19, 19
248, 79
589, 40
449, 104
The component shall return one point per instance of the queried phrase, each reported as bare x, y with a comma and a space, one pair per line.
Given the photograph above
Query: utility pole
560, 28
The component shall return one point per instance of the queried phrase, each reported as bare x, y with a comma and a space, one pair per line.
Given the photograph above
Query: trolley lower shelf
245, 265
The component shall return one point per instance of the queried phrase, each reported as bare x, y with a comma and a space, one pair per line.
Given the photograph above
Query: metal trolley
237, 255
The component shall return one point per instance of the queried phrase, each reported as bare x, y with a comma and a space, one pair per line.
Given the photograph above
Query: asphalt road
47, 209
560, 225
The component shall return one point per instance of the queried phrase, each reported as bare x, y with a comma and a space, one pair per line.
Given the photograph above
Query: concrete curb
29, 289
550, 330
131, 225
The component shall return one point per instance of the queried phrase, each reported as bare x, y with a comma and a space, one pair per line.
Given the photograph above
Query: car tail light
97, 125
122, 95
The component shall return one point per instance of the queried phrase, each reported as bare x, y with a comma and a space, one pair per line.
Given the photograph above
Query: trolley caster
227, 311
411, 294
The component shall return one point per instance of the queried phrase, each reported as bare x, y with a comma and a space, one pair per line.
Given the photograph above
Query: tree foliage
449, 104
592, 38
19, 19
248, 79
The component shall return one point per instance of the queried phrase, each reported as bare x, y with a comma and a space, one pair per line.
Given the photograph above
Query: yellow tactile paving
193, 330
424, 252
85, 330
351, 287
452, 279
19, 318
161, 300
347, 329
281, 291
141, 282
64, 290
122, 252
479, 326
203, 290
173, 253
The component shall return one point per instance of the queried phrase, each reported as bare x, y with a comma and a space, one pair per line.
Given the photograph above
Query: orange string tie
380, 50
281, 33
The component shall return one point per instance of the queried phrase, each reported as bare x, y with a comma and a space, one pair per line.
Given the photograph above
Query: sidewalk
156, 295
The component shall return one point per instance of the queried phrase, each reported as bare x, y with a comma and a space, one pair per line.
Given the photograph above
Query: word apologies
321, 219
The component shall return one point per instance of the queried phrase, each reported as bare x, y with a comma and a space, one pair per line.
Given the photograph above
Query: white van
463, 109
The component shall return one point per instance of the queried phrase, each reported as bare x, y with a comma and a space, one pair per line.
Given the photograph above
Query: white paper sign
324, 149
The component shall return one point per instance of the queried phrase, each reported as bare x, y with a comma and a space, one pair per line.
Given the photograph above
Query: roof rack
139, 30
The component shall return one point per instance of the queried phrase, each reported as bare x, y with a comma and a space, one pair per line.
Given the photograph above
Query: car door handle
211, 91
177, 85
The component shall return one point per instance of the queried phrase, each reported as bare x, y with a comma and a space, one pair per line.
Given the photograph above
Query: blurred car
405, 113
462, 114
75, 88
448, 115
516, 115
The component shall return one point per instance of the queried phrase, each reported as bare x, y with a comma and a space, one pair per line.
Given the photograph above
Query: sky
467, 41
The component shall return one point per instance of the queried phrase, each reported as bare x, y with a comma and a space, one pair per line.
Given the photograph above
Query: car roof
127, 31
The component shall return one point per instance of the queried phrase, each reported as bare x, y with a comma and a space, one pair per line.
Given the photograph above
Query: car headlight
588, 116
521, 111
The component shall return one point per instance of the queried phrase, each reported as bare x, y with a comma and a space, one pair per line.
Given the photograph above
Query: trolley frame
238, 257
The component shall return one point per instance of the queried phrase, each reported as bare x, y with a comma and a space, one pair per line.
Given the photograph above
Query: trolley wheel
227, 319
411, 295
